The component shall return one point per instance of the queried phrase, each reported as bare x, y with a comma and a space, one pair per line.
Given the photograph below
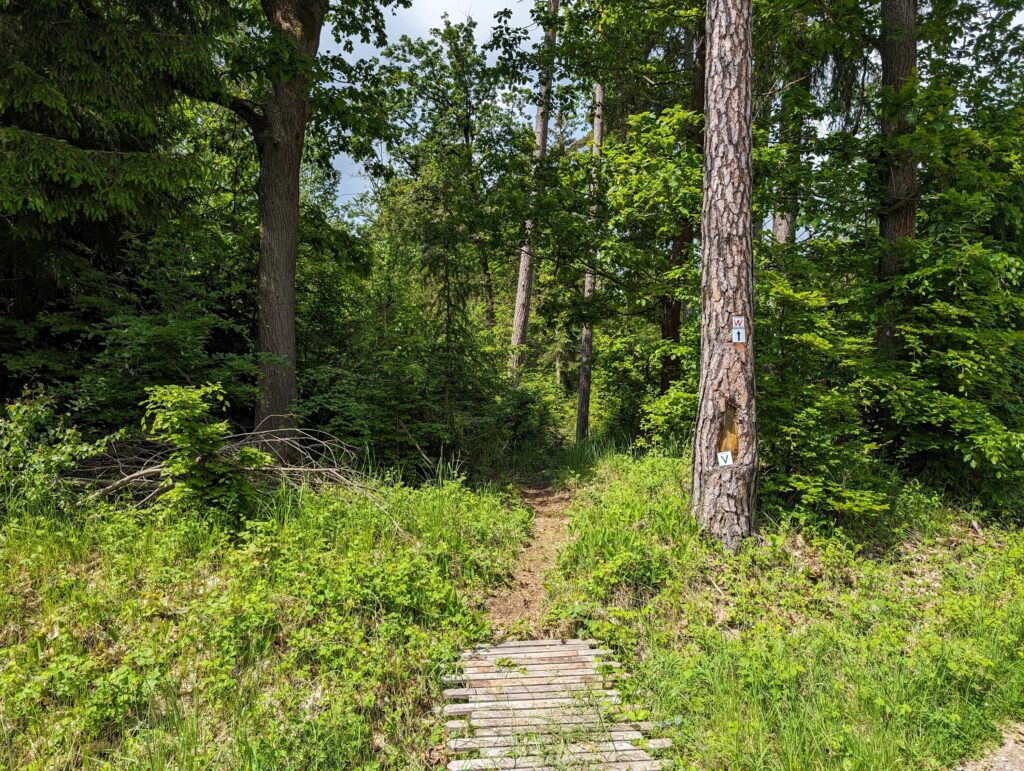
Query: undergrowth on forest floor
805, 650
313, 636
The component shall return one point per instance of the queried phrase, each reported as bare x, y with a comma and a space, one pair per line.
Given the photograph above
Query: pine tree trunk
590, 278
724, 485
897, 167
524, 286
682, 244
280, 134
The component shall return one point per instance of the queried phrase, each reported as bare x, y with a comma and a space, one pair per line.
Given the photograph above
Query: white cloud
424, 14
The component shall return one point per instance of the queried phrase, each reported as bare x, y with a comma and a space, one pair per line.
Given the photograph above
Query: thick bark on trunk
278, 193
725, 455
279, 133
784, 226
682, 245
897, 167
590, 278
524, 286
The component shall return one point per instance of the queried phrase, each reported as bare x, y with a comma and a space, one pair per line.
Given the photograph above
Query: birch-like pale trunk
524, 286
723, 493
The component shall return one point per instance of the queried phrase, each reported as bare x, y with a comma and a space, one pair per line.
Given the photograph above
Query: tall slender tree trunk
725, 455
279, 130
672, 310
586, 361
524, 286
590, 277
682, 244
791, 134
897, 166
485, 267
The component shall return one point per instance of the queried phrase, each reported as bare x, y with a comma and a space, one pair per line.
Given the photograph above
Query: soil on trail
517, 609
1009, 757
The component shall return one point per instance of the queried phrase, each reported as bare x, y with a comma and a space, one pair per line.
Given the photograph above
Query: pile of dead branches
300, 457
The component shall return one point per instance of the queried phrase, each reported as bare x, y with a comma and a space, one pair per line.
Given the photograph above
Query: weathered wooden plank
658, 744
532, 660
522, 739
612, 756
530, 668
552, 715
566, 751
530, 678
465, 693
545, 727
472, 707
492, 655
481, 726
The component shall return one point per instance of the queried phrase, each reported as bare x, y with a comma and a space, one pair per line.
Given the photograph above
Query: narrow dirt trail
517, 609
1009, 757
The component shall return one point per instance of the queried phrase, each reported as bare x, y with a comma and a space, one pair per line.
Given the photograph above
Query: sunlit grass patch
313, 636
804, 650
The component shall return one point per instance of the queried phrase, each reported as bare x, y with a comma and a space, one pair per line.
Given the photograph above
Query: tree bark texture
280, 134
590, 279
723, 496
897, 171
524, 285
682, 244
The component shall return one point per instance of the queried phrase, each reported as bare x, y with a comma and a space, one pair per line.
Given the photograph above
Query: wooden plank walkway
542, 704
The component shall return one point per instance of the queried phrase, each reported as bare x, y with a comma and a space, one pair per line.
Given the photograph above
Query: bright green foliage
204, 475
314, 636
36, 446
803, 651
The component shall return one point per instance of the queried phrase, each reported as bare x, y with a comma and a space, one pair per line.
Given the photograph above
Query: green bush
806, 649
315, 636
36, 447
203, 476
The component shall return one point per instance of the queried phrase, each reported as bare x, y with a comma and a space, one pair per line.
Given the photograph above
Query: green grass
313, 637
802, 651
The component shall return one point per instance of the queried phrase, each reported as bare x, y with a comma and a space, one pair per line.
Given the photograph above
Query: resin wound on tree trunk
722, 498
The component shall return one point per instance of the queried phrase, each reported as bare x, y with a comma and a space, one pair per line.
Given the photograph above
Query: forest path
518, 608
1008, 757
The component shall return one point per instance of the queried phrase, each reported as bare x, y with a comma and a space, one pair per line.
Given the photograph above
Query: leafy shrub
314, 636
36, 446
204, 477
